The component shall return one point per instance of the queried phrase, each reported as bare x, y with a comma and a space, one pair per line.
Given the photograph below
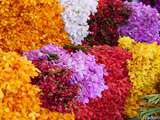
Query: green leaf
148, 112
152, 99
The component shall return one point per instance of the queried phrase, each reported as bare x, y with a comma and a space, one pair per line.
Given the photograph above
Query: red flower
104, 24
111, 105
58, 94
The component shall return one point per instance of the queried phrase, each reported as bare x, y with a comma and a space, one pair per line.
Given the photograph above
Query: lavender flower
86, 72
143, 24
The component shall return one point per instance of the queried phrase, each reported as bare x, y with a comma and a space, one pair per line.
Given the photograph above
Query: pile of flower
85, 71
58, 94
111, 105
144, 71
105, 23
55, 64
75, 17
18, 98
143, 24
29, 24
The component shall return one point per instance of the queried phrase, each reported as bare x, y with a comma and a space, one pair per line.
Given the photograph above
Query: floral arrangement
86, 72
110, 105
55, 64
143, 24
75, 16
28, 24
104, 24
143, 72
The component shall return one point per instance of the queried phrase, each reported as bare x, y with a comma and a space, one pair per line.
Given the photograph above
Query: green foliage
153, 99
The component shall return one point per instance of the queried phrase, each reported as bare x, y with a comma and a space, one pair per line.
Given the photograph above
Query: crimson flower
111, 105
58, 94
103, 26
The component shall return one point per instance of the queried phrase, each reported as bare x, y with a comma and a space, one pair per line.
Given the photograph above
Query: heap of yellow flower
28, 24
19, 99
144, 70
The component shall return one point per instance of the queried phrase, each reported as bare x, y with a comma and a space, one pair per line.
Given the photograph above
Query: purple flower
158, 5
86, 72
153, 3
143, 24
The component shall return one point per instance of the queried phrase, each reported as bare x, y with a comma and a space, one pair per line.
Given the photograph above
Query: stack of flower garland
42, 80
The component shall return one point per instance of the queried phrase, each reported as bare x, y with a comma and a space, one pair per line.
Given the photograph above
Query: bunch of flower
18, 98
86, 72
58, 94
144, 70
75, 16
104, 24
28, 24
111, 105
143, 24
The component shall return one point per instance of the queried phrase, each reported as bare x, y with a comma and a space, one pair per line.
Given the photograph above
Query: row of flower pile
77, 59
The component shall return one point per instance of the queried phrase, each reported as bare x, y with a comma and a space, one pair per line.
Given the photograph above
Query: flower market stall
79, 59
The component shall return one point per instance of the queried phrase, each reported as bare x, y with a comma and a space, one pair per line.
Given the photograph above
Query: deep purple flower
158, 5
143, 24
153, 3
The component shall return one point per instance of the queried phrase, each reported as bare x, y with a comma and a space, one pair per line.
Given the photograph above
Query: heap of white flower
75, 16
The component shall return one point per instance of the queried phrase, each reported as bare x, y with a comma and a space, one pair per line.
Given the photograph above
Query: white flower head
75, 17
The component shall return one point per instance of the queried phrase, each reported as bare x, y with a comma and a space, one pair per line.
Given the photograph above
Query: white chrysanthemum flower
75, 17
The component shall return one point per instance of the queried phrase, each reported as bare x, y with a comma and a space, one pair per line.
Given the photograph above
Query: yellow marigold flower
15, 71
19, 99
144, 70
29, 24
126, 42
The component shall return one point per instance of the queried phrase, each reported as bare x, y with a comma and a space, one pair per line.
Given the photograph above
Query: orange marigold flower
19, 100
48, 115
28, 24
